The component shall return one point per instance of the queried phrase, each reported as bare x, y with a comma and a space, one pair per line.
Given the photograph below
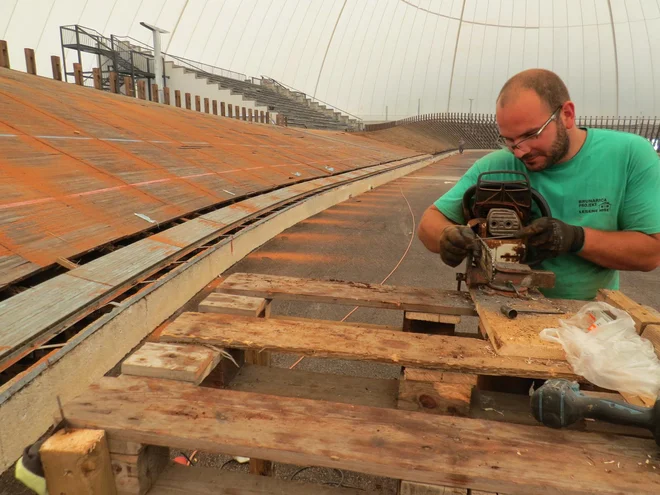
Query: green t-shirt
612, 184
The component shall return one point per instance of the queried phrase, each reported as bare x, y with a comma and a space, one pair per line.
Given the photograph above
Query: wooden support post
286, 121
142, 89
237, 111
188, 97
206, 105
222, 109
77, 74
267, 117
30, 62
215, 107
244, 112
136, 473
78, 461
198, 103
177, 98
166, 95
56, 66
229, 110
249, 114
128, 86
262, 117
4, 55
114, 82
154, 93
96, 75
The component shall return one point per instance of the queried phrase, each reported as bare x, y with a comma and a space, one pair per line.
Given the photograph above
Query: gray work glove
455, 243
551, 237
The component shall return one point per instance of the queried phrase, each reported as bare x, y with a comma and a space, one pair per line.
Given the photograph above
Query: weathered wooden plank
435, 397
135, 474
433, 323
78, 461
422, 375
652, 333
179, 480
411, 488
520, 337
426, 448
186, 363
301, 384
358, 293
217, 302
642, 315
325, 339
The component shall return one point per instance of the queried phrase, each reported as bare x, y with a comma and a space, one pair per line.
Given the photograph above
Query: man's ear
567, 114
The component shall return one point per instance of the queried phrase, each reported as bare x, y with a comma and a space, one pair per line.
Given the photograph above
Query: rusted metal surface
77, 165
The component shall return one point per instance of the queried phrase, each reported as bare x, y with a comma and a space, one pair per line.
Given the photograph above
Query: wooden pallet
435, 428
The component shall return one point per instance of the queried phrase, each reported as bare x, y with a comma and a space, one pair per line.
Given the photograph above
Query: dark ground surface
363, 239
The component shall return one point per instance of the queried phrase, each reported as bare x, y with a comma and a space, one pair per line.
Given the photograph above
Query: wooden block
116, 446
198, 103
55, 65
207, 108
142, 89
4, 55
177, 98
77, 74
642, 315
223, 110
652, 333
77, 461
422, 375
217, 302
229, 110
128, 86
244, 113
135, 474
263, 117
186, 363
166, 95
249, 114
268, 117
154, 93
432, 323
65, 263
214, 106
188, 97
30, 62
114, 82
96, 76
435, 397
412, 488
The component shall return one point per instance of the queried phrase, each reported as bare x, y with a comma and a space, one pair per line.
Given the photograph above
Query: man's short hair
548, 85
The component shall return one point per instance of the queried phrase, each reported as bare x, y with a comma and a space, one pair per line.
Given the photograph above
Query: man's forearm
621, 250
430, 228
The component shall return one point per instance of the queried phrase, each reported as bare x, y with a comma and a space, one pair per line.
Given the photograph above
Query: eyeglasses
510, 145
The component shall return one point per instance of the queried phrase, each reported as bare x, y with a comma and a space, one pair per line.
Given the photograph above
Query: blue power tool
559, 403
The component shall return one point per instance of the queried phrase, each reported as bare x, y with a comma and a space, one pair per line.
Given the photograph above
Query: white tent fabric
378, 58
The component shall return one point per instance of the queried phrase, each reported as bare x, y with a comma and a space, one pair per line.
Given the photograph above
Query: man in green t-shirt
602, 186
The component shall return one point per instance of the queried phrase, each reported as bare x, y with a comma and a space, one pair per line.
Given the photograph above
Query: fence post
30, 61
229, 110
222, 109
96, 75
249, 114
166, 95
128, 86
4, 55
55, 65
215, 107
154, 93
177, 98
206, 105
142, 89
188, 101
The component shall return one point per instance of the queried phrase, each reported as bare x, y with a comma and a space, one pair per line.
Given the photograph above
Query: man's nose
519, 153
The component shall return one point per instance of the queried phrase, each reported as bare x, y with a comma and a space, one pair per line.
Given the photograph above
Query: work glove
550, 237
455, 243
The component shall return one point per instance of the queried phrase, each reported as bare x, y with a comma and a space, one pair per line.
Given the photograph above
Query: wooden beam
432, 323
78, 461
217, 302
135, 474
325, 339
642, 315
128, 86
178, 480
56, 66
166, 95
4, 55
186, 363
356, 293
424, 448
30, 61
410, 488
96, 76
77, 74
113, 77
142, 89
435, 397
652, 333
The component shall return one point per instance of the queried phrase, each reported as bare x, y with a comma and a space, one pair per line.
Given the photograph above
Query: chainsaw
496, 210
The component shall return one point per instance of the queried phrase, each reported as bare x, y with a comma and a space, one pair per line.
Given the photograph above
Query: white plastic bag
611, 354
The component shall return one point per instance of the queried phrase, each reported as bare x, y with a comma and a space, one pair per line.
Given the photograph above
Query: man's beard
557, 152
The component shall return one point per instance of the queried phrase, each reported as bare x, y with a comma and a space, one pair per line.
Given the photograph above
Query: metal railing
311, 98
480, 131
